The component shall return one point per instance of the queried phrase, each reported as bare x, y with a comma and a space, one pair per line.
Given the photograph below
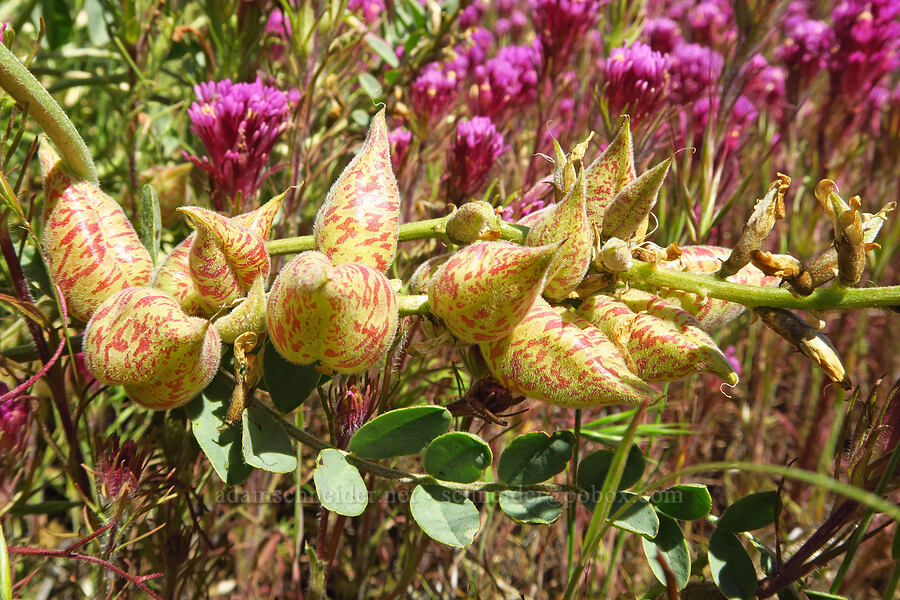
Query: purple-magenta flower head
662, 34
695, 72
238, 124
399, 138
867, 38
636, 80
765, 85
805, 50
705, 112
506, 81
561, 25
476, 147
472, 14
369, 10
278, 28
14, 417
433, 93
712, 23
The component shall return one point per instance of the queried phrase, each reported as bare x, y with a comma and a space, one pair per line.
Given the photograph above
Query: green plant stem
835, 297
417, 230
19, 83
572, 506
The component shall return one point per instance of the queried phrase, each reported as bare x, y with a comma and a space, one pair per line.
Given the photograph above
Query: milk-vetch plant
573, 305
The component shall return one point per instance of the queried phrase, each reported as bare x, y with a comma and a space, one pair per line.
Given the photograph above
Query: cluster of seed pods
539, 324
160, 335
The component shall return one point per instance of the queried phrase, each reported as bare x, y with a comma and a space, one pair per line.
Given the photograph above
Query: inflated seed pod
712, 313
565, 222
558, 357
664, 341
473, 222
248, 316
225, 258
533, 218
174, 274
342, 316
92, 250
140, 338
486, 289
360, 219
418, 284
627, 212
172, 185
611, 172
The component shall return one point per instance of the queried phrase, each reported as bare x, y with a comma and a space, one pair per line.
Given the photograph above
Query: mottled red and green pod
664, 341
174, 274
360, 219
628, 210
248, 316
225, 258
418, 284
533, 218
172, 185
140, 338
611, 172
560, 358
342, 316
92, 250
712, 313
486, 289
565, 222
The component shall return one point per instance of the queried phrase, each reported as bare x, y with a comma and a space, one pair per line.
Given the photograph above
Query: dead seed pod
808, 340
767, 210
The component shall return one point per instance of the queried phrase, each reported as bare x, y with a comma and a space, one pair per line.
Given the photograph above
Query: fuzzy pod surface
558, 357
360, 219
91, 248
141, 338
483, 291
343, 316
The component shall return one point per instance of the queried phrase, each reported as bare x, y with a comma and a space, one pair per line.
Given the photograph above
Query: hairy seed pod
766, 211
172, 185
140, 338
343, 316
560, 358
486, 289
628, 210
565, 222
360, 219
418, 284
532, 219
174, 274
808, 340
609, 173
248, 316
92, 251
225, 258
473, 222
665, 342
712, 313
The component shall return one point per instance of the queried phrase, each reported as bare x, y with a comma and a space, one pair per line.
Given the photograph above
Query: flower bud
615, 255
473, 222
360, 219
664, 341
174, 274
225, 258
562, 359
140, 338
486, 289
344, 316
611, 172
565, 222
248, 316
92, 251
630, 207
